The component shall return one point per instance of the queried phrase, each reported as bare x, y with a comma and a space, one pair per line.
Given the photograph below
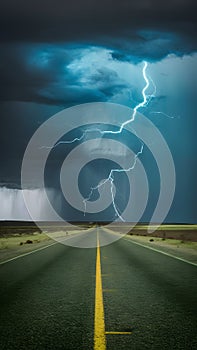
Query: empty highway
117, 297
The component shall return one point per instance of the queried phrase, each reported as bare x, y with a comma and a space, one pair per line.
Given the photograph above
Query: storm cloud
50, 20
57, 54
41, 39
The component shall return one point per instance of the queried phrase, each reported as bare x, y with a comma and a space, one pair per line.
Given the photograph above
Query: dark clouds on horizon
55, 21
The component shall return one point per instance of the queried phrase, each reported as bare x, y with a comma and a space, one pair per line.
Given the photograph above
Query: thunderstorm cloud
57, 54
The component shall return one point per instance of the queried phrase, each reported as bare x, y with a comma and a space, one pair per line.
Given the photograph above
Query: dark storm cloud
41, 74
132, 30
65, 74
25, 74
59, 53
152, 45
60, 20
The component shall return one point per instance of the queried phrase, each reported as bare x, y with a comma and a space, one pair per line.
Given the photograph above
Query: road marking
33, 251
160, 251
99, 321
118, 332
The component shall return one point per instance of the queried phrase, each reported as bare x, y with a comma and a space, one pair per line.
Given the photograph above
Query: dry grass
16, 240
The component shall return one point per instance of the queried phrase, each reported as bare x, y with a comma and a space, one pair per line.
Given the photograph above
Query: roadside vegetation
16, 240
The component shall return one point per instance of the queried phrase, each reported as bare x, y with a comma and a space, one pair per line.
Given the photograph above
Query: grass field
15, 240
176, 243
181, 232
174, 232
176, 227
18, 244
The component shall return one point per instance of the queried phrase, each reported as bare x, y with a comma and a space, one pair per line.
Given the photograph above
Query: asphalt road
48, 298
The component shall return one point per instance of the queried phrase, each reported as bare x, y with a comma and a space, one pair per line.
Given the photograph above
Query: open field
181, 232
14, 245
168, 242
11, 242
173, 227
10, 228
171, 242
173, 232
19, 238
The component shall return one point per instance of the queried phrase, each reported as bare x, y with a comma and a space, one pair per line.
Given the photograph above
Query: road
117, 297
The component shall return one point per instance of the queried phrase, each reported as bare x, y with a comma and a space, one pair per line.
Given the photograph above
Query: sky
59, 54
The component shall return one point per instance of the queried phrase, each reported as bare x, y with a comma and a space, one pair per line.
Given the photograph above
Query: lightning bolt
145, 101
73, 140
165, 115
111, 180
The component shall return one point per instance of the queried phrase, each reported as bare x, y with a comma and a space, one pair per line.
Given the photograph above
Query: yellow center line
99, 320
118, 332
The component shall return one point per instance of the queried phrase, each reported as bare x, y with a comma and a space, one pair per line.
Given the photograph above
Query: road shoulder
185, 250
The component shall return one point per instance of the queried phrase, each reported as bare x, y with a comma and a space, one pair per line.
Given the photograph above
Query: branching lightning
73, 140
165, 115
145, 101
111, 180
